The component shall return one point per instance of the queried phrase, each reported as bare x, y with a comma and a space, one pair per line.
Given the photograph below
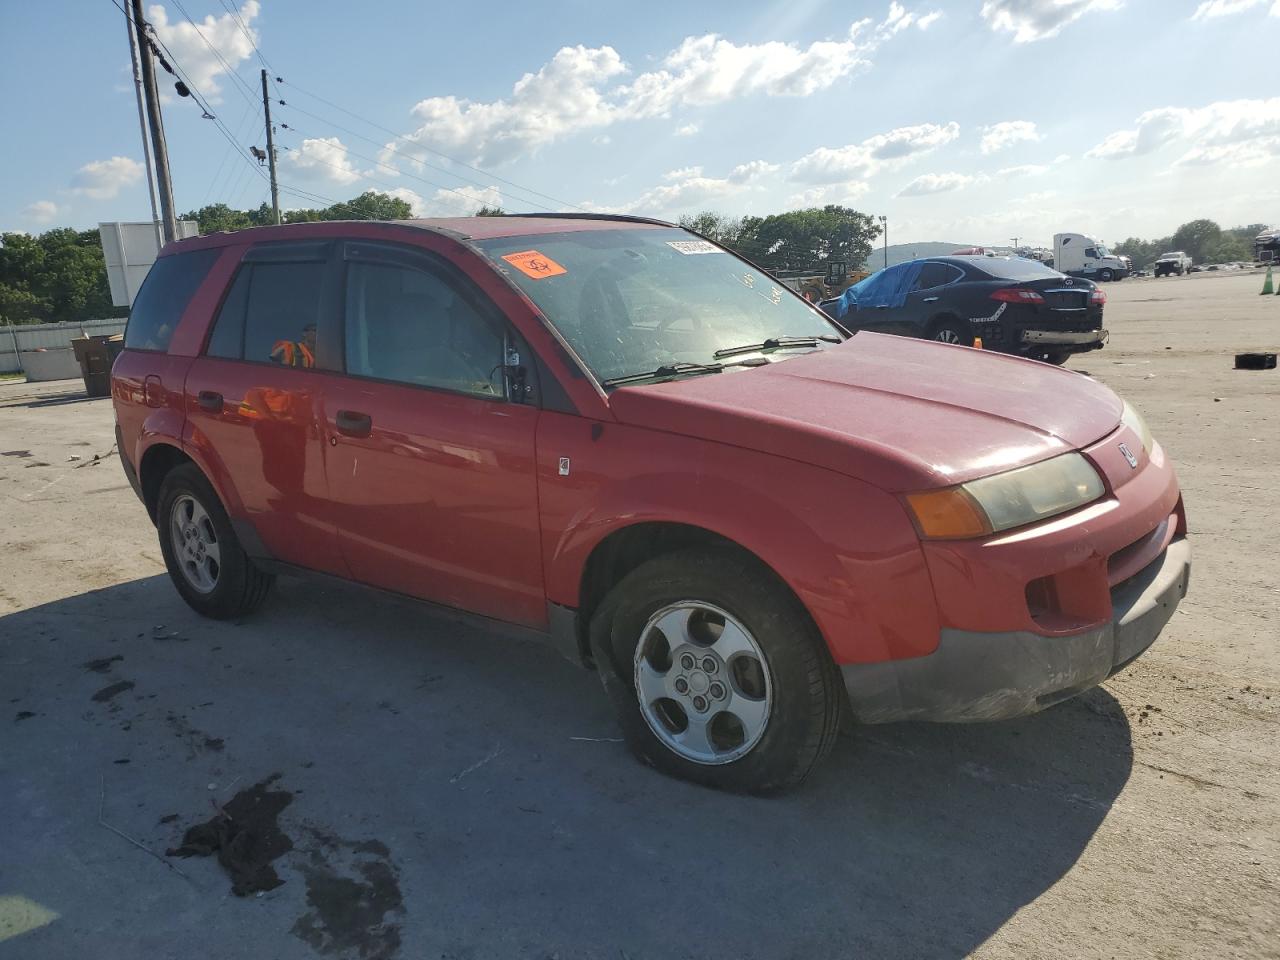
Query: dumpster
95, 356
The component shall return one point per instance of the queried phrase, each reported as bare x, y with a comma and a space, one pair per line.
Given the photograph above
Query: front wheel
201, 551
1105, 276
1056, 357
717, 672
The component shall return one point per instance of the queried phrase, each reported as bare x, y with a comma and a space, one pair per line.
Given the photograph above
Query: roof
457, 228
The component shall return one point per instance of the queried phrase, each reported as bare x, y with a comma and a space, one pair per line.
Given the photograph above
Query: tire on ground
808, 694
942, 326
241, 586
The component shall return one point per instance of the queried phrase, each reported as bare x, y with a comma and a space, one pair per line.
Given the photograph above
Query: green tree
1196, 237
370, 205
806, 239
218, 216
488, 211
714, 226
59, 275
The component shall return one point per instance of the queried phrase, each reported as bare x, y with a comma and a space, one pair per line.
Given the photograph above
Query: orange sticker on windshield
534, 264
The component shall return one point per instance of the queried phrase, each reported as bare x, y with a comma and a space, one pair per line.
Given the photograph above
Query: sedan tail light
1098, 296
1017, 295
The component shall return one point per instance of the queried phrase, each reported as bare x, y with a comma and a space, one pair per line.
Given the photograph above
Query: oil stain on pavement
353, 890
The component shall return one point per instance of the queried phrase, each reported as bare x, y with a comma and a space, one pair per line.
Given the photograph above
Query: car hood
900, 413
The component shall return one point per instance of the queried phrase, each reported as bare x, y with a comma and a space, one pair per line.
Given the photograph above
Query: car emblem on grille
1067, 282
1128, 455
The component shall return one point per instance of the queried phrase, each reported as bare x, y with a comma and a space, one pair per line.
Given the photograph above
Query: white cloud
841, 193
687, 188
325, 158
103, 179
42, 211
928, 20
192, 53
858, 161
563, 97
1062, 158
1228, 130
580, 89
1031, 20
1024, 170
1006, 134
461, 202
931, 183
1210, 9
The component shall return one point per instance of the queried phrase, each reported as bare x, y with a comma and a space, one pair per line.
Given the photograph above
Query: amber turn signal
948, 514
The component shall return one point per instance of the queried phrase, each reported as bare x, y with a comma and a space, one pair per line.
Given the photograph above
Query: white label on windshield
689, 247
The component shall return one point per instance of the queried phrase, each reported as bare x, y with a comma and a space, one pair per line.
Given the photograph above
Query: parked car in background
635, 445
1266, 246
1013, 304
1175, 262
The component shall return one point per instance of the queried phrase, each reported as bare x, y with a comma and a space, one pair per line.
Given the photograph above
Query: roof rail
624, 217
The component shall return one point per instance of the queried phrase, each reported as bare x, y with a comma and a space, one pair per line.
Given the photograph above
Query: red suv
625, 438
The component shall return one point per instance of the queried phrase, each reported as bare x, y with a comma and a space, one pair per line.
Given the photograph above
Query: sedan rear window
171, 283
1013, 268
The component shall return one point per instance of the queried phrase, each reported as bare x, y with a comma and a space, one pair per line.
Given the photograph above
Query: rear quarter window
171, 282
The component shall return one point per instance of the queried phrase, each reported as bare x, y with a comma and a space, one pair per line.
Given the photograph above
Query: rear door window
936, 275
270, 315
171, 283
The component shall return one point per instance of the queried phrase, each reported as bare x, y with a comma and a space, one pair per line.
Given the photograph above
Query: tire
1105, 276
194, 529
951, 330
787, 691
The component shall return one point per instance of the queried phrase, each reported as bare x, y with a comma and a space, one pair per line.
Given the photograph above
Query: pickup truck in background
1173, 262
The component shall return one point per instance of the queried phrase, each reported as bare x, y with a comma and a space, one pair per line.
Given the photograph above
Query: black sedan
1012, 304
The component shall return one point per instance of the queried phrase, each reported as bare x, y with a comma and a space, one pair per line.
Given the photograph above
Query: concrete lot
451, 793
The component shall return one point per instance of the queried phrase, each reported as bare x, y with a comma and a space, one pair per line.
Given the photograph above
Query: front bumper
993, 676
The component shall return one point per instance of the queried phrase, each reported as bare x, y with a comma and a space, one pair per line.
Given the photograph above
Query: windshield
1171, 253
632, 300
1103, 251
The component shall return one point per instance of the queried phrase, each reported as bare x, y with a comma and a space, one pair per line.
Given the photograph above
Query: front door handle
353, 423
210, 400
930, 299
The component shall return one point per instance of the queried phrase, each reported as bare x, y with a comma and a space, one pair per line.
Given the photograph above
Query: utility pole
142, 125
271, 145
884, 225
163, 182
1015, 244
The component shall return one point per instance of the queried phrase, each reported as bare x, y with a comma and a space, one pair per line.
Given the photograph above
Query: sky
968, 121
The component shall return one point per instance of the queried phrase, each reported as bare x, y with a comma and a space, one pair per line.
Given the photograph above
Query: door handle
353, 423
210, 400
930, 299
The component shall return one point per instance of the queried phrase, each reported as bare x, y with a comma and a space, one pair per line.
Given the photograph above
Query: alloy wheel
195, 543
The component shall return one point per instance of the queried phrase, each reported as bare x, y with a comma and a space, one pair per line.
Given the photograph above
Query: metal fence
47, 335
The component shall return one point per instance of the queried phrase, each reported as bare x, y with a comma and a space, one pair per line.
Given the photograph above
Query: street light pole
884, 226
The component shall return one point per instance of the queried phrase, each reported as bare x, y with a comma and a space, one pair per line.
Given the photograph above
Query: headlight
1006, 500
1132, 419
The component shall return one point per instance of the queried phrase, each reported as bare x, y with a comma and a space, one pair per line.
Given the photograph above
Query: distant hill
898, 252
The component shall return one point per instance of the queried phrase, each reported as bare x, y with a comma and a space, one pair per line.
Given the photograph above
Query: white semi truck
1080, 255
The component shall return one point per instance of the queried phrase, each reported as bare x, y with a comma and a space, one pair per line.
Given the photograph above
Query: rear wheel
717, 673
204, 558
951, 330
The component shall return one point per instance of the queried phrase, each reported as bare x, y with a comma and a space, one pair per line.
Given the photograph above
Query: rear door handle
210, 400
353, 423
930, 299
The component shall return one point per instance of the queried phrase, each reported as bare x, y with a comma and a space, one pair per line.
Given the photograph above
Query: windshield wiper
666, 370
681, 368
777, 343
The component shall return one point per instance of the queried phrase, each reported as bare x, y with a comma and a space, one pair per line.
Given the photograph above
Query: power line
235, 13
401, 153
439, 153
382, 163
243, 88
